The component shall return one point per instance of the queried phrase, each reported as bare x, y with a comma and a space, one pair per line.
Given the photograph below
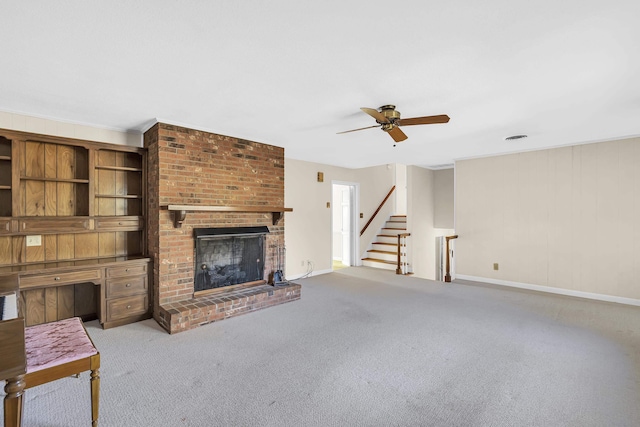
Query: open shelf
54, 180
69, 180
118, 183
5, 176
119, 168
119, 196
180, 211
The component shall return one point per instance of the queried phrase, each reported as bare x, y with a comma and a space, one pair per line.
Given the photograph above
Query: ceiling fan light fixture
388, 119
514, 137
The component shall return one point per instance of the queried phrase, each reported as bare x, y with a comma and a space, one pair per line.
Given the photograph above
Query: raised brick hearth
194, 168
194, 312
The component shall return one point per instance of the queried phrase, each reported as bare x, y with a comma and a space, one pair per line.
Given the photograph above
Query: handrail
447, 276
400, 237
377, 210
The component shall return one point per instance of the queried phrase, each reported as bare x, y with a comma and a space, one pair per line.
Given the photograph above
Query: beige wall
422, 202
420, 214
308, 228
565, 218
32, 124
401, 190
443, 196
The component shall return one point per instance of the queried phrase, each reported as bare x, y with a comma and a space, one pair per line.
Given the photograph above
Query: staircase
384, 251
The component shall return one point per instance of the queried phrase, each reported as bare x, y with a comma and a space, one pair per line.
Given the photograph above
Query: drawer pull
126, 270
128, 307
56, 278
128, 285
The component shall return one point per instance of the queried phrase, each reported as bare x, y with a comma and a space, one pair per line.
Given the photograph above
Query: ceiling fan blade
397, 134
353, 130
427, 120
380, 118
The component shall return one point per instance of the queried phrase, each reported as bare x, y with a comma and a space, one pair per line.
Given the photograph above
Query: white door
345, 205
344, 222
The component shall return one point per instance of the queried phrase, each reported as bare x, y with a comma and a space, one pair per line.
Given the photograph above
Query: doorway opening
344, 224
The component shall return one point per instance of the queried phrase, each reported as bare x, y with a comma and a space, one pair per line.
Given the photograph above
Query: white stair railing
401, 267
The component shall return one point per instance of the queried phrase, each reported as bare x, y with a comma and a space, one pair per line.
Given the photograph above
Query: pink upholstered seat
52, 344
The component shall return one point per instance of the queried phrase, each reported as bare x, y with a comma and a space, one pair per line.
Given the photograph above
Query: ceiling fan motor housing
390, 112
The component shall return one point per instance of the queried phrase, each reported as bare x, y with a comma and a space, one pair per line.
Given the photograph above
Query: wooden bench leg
13, 401
95, 396
95, 389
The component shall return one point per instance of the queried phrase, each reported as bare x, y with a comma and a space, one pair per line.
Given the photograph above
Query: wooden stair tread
382, 261
388, 244
377, 251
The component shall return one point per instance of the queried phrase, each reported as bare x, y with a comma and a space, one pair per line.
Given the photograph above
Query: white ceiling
293, 73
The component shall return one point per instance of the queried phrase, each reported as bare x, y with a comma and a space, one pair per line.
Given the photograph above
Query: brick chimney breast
190, 167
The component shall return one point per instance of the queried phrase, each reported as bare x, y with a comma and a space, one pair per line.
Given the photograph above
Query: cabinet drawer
127, 270
5, 226
55, 225
118, 223
126, 286
121, 308
55, 279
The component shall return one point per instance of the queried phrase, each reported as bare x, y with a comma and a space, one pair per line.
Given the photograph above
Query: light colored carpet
365, 347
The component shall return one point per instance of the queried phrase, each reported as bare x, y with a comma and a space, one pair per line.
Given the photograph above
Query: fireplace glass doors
229, 256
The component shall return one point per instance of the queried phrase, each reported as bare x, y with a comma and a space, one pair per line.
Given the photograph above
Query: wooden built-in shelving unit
72, 228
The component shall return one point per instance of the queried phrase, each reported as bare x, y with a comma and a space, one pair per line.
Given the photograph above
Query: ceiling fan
388, 119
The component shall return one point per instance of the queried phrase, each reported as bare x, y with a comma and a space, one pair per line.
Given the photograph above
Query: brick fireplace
197, 171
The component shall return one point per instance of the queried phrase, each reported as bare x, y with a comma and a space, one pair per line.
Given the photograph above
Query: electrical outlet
495, 266
34, 240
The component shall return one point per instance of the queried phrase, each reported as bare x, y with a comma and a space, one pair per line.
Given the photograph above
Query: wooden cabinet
126, 292
79, 203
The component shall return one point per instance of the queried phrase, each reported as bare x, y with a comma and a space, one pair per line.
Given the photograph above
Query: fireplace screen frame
225, 257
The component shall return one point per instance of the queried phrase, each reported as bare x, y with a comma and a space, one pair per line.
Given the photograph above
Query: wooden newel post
447, 276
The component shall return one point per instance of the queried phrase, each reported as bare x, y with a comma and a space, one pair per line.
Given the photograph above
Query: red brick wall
190, 167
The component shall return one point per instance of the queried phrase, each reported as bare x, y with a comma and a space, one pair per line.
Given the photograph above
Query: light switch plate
34, 240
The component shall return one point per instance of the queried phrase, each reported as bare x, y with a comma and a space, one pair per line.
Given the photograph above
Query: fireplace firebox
228, 256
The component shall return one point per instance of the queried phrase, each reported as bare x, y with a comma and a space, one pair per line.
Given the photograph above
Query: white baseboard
319, 272
313, 273
552, 290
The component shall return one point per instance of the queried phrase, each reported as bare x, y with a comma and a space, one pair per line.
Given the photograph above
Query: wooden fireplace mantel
179, 212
